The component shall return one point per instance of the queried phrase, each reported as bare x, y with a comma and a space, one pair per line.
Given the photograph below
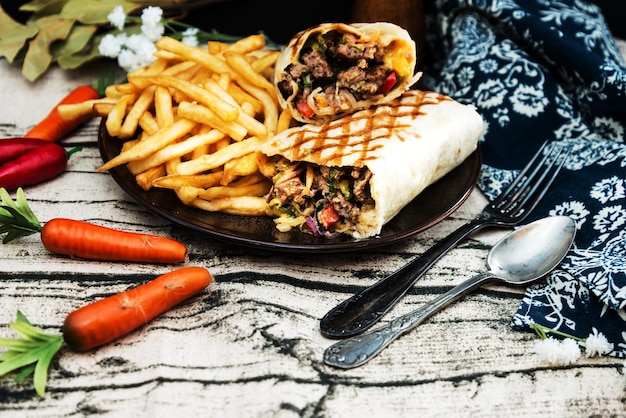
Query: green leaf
13, 36
38, 57
41, 368
41, 8
21, 318
76, 41
24, 373
16, 218
31, 355
14, 345
75, 60
94, 12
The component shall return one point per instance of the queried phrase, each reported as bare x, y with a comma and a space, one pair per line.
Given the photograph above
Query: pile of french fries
193, 121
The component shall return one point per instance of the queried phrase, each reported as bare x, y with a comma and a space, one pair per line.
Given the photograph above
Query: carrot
83, 239
53, 127
103, 321
98, 323
94, 242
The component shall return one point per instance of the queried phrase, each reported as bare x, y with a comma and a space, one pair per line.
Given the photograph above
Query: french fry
242, 97
225, 111
239, 205
173, 150
202, 57
219, 158
239, 167
145, 147
215, 47
170, 166
119, 90
77, 110
129, 144
102, 109
270, 107
187, 194
284, 120
178, 68
221, 192
148, 123
265, 61
239, 63
117, 114
155, 67
141, 105
163, 107
205, 115
145, 179
175, 181
247, 44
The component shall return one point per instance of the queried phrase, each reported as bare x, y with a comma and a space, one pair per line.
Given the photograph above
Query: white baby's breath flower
190, 36
558, 352
117, 17
570, 351
128, 60
111, 45
597, 344
138, 51
151, 25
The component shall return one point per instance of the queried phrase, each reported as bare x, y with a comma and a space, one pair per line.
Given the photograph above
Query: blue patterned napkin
537, 71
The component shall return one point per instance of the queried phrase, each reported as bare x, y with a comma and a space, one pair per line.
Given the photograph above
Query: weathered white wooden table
250, 345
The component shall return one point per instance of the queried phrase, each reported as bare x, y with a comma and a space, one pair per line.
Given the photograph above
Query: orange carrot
53, 127
108, 319
97, 323
86, 240
83, 239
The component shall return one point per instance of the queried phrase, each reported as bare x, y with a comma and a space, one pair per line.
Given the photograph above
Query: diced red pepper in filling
390, 81
305, 109
328, 216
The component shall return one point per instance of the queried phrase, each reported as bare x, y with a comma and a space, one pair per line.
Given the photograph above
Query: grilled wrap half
335, 69
354, 174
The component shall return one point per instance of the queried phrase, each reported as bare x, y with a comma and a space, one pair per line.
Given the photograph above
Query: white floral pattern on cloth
548, 70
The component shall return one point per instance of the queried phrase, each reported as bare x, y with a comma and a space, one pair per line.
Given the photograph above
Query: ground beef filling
307, 191
344, 72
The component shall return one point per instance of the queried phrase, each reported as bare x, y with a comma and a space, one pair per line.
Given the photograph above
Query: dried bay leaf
92, 12
38, 57
41, 8
13, 36
76, 41
70, 61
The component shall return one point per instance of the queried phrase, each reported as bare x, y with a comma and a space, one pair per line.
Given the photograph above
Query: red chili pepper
390, 81
11, 148
39, 164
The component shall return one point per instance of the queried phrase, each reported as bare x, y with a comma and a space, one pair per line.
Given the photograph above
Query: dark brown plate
433, 205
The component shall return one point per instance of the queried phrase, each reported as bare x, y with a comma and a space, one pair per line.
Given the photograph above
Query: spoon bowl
532, 251
523, 256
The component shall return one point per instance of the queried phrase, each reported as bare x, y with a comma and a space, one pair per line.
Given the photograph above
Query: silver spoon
524, 255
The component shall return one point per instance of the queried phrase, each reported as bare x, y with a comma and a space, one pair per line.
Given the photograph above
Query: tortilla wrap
407, 145
354, 87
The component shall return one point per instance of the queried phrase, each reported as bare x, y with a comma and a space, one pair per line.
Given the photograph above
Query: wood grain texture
250, 346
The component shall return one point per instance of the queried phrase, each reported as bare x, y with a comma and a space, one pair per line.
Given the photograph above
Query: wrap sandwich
334, 69
354, 174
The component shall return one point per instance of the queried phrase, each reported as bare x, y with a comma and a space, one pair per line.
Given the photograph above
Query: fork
510, 208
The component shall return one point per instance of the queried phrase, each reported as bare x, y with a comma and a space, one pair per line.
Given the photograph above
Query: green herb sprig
32, 354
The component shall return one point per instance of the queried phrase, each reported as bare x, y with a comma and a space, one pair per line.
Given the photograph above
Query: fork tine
540, 188
529, 187
507, 193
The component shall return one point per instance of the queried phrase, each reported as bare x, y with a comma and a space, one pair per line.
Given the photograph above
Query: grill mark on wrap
379, 122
